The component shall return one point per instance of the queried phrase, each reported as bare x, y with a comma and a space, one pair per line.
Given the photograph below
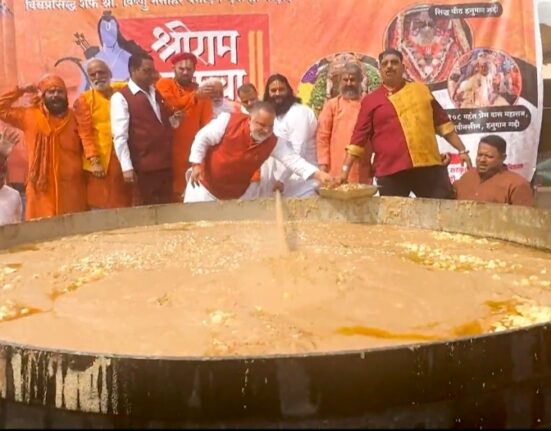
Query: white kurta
212, 135
11, 207
298, 126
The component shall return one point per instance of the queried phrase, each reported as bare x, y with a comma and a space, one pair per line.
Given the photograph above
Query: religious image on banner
485, 90
483, 78
234, 48
320, 81
115, 50
430, 45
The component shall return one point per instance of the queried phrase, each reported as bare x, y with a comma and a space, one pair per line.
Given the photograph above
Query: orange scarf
45, 139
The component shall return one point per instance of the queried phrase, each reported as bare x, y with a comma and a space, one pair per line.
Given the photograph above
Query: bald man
56, 182
106, 188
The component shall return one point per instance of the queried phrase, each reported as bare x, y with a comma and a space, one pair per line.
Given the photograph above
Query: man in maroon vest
142, 131
231, 148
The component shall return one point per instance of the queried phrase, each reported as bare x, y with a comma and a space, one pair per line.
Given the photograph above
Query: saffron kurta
335, 126
197, 112
92, 111
504, 187
56, 182
401, 128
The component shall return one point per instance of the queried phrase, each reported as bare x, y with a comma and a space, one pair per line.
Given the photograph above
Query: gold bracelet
355, 150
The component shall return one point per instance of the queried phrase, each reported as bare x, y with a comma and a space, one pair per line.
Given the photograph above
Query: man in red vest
142, 133
230, 149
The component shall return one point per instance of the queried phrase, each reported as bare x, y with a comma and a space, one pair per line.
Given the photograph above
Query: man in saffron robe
399, 121
56, 183
182, 94
227, 152
335, 126
105, 185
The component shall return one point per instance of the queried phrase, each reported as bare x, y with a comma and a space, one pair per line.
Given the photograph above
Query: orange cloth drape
56, 182
335, 126
197, 113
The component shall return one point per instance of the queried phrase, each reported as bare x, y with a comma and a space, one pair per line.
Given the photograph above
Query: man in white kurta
237, 135
297, 124
11, 206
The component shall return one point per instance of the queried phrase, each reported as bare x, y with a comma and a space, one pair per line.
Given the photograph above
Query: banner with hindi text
481, 59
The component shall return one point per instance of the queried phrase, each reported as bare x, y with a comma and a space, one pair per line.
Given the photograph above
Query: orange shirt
54, 155
335, 126
505, 187
197, 112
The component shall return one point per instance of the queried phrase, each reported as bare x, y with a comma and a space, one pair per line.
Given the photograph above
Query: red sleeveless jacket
229, 166
149, 140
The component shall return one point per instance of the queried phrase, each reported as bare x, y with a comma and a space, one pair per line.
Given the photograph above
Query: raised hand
8, 139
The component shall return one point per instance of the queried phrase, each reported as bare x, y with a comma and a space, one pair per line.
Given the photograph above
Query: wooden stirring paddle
283, 243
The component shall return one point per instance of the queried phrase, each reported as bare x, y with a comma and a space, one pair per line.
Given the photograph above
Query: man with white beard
296, 124
336, 124
219, 102
104, 181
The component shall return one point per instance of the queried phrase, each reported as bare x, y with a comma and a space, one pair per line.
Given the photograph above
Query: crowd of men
155, 140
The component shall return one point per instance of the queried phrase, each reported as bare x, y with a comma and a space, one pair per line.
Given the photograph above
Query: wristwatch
465, 151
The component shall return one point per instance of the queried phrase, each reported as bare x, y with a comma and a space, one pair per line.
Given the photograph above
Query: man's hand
325, 179
29, 88
176, 119
466, 160
324, 168
97, 169
130, 176
8, 140
342, 178
446, 158
206, 90
196, 174
278, 185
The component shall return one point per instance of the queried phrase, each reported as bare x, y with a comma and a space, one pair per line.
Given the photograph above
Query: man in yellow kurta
105, 185
56, 183
399, 122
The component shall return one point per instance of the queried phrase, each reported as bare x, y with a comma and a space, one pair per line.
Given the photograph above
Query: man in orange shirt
105, 184
56, 182
182, 94
490, 180
335, 126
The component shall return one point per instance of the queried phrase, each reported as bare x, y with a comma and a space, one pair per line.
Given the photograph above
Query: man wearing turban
182, 94
56, 182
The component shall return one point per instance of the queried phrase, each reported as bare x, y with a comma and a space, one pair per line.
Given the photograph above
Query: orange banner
444, 43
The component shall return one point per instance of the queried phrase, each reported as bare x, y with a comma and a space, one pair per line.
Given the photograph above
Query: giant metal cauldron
499, 380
